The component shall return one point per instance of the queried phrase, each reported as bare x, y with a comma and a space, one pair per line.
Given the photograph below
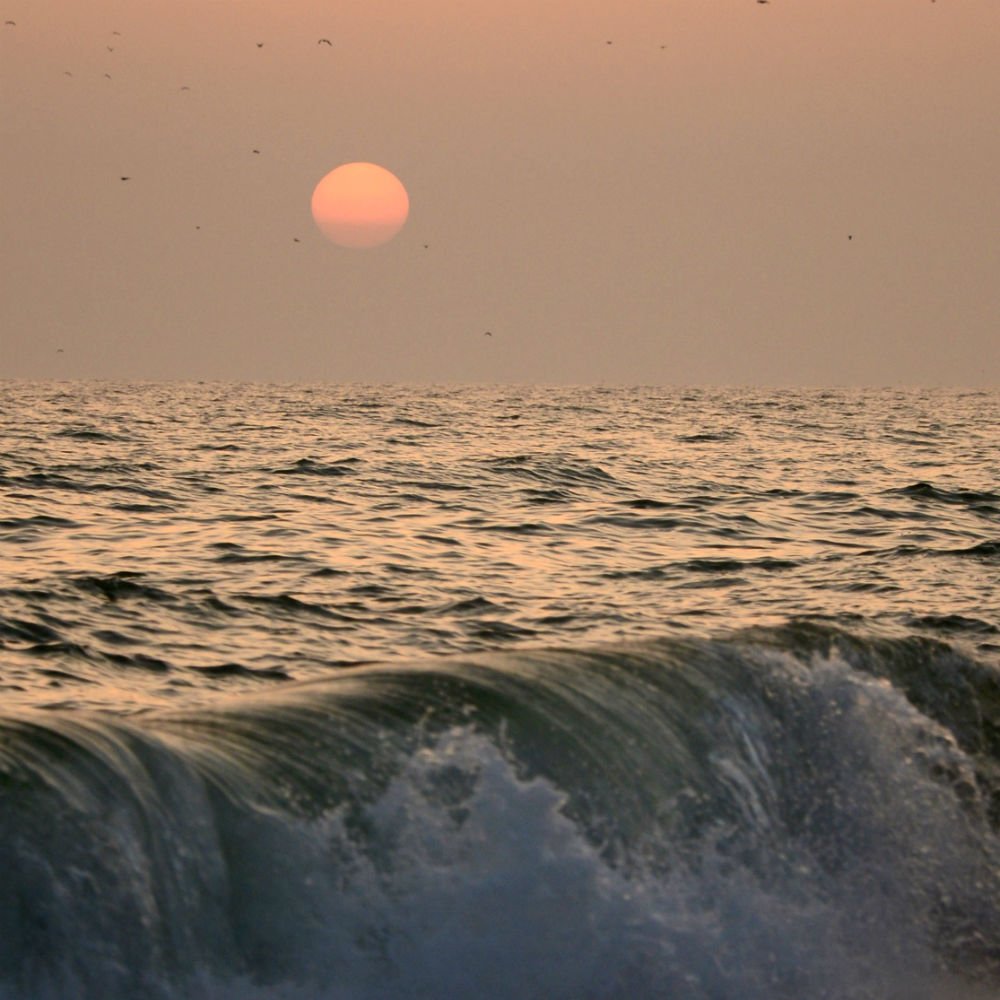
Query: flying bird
487, 334
126, 178
13, 24
260, 45
325, 41
185, 87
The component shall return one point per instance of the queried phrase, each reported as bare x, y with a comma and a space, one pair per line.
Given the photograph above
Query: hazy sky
673, 207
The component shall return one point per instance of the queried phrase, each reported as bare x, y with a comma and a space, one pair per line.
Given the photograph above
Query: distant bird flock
321, 41
184, 87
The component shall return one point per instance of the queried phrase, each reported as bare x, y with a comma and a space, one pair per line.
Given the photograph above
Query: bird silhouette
325, 41
185, 88
260, 45
13, 24
257, 152
487, 334
126, 178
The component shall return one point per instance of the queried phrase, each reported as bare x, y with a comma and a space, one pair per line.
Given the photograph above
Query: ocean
344, 692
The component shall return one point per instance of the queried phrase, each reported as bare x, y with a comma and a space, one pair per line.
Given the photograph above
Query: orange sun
360, 205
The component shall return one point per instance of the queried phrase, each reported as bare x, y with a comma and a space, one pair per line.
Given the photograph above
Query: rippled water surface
162, 542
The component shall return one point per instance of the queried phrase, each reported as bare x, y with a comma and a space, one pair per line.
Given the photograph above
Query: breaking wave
792, 812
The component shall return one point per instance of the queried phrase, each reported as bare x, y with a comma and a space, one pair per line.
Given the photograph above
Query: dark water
351, 692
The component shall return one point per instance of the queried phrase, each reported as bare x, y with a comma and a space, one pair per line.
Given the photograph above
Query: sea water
384, 691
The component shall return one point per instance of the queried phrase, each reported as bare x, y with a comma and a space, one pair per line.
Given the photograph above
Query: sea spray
749, 821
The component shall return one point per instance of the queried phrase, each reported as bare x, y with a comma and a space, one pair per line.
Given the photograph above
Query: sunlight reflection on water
165, 541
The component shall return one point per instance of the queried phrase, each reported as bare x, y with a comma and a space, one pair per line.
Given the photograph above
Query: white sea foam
464, 879
837, 849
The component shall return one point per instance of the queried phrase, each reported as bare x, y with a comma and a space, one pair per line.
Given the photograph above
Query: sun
360, 205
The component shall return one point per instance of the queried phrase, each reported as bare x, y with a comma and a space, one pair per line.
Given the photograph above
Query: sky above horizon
791, 193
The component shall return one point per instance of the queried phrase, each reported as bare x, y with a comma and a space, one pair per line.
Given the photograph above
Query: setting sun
360, 205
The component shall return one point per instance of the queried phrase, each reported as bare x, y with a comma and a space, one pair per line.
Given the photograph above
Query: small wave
646, 573
404, 570
563, 618
927, 491
903, 551
525, 528
57, 481
88, 434
361, 589
310, 467
245, 518
435, 484
27, 631
833, 496
425, 536
645, 503
239, 670
288, 603
542, 496
152, 664
887, 514
706, 437
712, 583
121, 586
981, 550
46, 480
412, 422
205, 603
783, 493
956, 623
60, 647
723, 565
63, 675
37, 521
233, 552
144, 508
632, 521
468, 605
556, 470
498, 631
